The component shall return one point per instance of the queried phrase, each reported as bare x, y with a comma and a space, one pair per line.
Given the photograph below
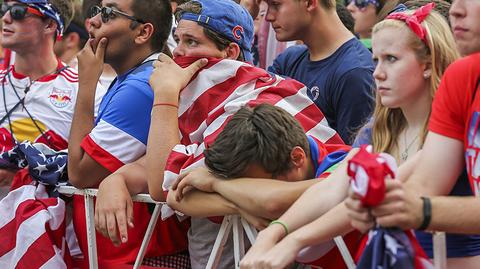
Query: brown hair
264, 135
441, 51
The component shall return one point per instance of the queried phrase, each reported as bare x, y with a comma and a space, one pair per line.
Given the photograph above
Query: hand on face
168, 78
199, 178
114, 210
90, 60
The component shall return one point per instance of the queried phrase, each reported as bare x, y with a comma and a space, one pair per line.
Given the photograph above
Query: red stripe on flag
213, 97
309, 117
24, 211
37, 254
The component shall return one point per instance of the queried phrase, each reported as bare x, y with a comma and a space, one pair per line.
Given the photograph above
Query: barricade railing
234, 223
230, 223
88, 195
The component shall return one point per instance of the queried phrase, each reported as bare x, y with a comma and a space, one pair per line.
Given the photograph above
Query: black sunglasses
19, 11
108, 13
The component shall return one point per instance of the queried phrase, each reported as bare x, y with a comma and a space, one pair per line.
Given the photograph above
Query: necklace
404, 154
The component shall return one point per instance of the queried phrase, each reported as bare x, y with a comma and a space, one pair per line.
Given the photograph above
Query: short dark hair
220, 41
158, 13
65, 8
264, 135
87, 5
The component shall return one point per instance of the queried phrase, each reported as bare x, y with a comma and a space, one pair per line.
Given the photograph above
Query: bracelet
165, 104
427, 213
281, 223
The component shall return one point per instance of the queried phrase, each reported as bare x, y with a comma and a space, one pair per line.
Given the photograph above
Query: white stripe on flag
210, 77
320, 132
28, 232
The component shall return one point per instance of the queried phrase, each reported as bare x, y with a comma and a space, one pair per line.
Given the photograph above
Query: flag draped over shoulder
384, 248
220, 89
32, 226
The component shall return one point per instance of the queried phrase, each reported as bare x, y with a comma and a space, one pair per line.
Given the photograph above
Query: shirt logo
472, 152
315, 91
60, 98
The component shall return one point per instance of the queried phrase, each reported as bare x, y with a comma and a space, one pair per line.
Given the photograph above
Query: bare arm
455, 214
335, 222
441, 162
167, 80
263, 197
201, 204
114, 205
83, 171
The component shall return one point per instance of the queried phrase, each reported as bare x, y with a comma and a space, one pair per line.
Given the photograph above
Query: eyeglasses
364, 3
18, 11
108, 13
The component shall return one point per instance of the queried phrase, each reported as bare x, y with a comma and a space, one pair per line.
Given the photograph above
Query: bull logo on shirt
472, 152
60, 98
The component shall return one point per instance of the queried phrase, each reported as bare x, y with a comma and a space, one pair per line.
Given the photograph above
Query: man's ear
51, 27
72, 40
298, 156
144, 33
232, 51
311, 4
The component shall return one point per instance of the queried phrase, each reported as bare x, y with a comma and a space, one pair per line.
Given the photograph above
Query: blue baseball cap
47, 10
228, 19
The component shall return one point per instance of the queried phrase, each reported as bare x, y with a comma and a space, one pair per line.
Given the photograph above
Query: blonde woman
410, 61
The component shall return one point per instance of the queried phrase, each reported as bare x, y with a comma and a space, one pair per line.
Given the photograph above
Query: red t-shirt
456, 111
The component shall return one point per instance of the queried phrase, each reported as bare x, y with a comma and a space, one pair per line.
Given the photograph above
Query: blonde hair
388, 123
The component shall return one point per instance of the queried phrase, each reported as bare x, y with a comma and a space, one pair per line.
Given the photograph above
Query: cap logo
237, 32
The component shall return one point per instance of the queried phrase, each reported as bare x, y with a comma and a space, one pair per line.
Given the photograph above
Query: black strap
9, 112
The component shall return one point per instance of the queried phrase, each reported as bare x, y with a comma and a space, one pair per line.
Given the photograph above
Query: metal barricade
88, 195
235, 223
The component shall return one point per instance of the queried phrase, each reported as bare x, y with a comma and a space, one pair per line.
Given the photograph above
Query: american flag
383, 248
32, 226
217, 92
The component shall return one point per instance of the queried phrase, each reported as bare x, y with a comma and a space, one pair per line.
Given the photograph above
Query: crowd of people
247, 107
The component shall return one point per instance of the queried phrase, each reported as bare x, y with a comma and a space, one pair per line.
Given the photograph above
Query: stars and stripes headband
414, 21
48, 10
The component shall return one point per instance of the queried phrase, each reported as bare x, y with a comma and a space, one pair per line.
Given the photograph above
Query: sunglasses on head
364, 3
19, 11
108, 13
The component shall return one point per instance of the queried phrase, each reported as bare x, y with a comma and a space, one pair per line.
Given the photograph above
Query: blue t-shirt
121, 128
458, 245
341, 85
